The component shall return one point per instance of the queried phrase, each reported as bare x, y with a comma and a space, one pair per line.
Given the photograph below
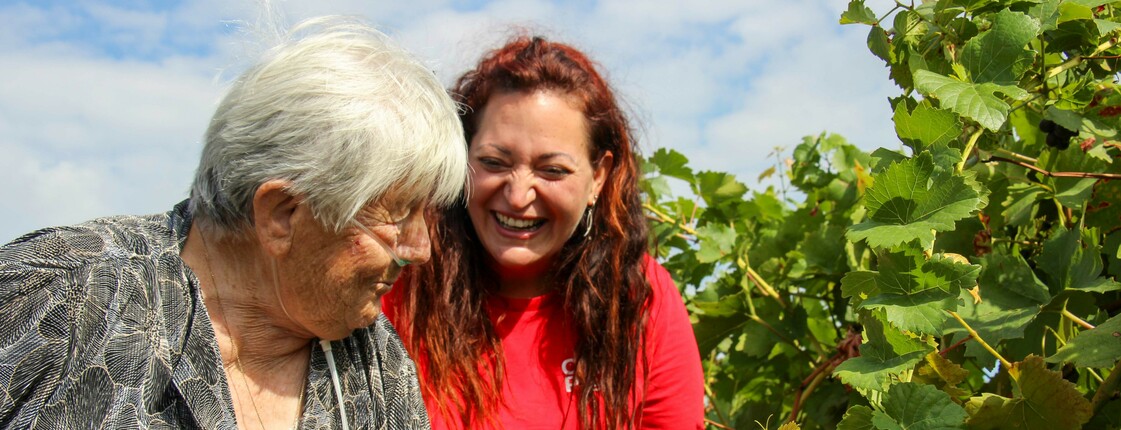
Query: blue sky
103, 104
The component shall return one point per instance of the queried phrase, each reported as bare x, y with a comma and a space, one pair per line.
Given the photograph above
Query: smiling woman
532, 183
540, 308
255, 303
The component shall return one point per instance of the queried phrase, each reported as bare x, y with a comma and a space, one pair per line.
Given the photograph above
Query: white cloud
828, 82
87, 137
40, 193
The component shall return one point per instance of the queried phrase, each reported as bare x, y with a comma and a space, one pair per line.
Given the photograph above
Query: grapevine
962, 277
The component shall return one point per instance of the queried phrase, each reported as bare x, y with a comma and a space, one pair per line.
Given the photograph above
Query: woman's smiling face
532, 178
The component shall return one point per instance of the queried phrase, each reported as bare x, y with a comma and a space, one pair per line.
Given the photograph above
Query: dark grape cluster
1057, 135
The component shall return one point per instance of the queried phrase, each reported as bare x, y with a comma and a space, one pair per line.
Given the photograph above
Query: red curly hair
443, 316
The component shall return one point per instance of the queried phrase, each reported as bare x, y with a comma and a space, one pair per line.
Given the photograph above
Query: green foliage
1042, 400
956, 284
914, 406
909, 201
1099, 347
977, 101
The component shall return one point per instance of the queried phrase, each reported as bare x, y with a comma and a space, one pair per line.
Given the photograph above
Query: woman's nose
413, 243
520, 190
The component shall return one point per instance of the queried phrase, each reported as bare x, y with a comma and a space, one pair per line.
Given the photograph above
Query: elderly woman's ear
274, 212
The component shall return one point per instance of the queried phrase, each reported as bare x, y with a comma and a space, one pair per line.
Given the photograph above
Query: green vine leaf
1104, 210
1106, 27
1047, 12
672, 164
872, 375
944, 374
911, 406
790, 426
909, 272
909, 28
718, 188
1022, 203
1071, 192
860, 283
857, 418
1099, 347
1012, 297
764, 207
1090, 3
915, 293
1042, 400
656, 187
858, 13
925, 126
974, 101
998, 55
1074, 10
905, 204
824, 251
1072, 260
717, 316
879, 44
922, 312
716, 242
806, 172
885, 354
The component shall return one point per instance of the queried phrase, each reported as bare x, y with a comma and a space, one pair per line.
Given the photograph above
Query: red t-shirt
539, 350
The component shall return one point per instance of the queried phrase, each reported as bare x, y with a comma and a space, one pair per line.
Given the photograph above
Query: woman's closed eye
491, 163
385, 216
555, 172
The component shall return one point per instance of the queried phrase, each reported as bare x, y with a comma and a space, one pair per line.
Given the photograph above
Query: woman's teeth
518, 224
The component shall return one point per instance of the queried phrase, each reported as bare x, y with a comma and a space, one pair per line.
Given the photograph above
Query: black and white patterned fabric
102, 325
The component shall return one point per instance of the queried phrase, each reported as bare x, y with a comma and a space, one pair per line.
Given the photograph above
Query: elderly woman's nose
413, 244
520, 190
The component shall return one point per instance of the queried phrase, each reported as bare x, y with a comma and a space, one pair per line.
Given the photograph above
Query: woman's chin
365, 318
519, 263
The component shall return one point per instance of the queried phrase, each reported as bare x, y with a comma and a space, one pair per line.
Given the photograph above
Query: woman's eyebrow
505, 151
552, 155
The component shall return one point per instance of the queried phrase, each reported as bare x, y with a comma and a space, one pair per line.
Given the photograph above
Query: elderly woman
255, 303
540, 308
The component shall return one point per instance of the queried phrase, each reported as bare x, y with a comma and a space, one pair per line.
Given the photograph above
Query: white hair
344, 114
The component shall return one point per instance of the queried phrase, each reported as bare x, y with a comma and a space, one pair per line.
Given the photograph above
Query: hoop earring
588, 220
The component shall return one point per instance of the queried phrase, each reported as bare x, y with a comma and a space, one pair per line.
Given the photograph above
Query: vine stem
801, 397
1055, 174
782, 337
1106, 389
666, 218
1022, 157
712, 397
716, 424
897, 6
1063, 343
1077, 320
846, 349
955, 345
763, 285
1059, 211
1016, 242
969, 148
972, 332
1076, 60
774, 331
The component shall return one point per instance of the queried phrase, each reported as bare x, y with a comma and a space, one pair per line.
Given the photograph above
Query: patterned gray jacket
103, 326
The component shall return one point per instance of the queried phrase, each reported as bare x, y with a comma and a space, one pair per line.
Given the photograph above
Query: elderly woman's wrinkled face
335, 281
531, 178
